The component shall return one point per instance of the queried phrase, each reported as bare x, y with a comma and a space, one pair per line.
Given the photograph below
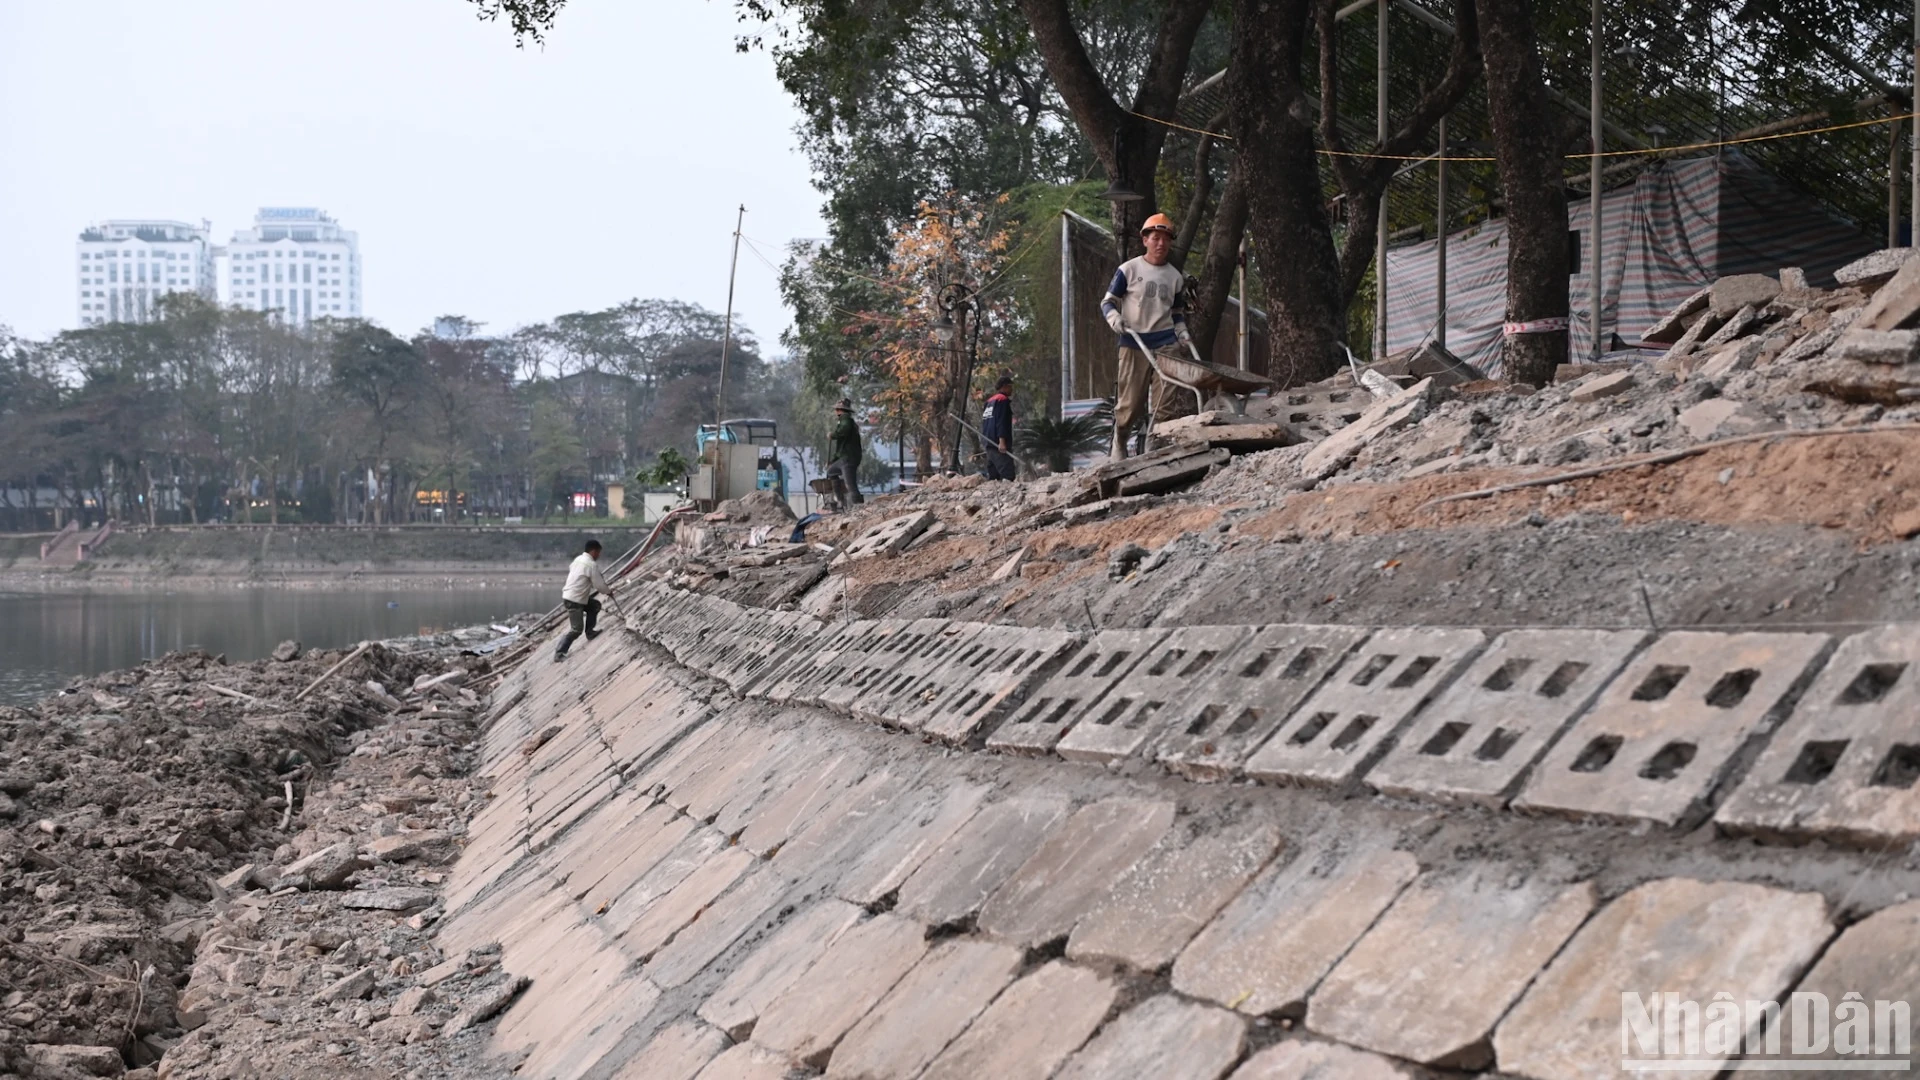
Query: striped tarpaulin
1679, 226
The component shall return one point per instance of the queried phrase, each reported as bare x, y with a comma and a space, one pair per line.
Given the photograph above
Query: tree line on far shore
218, 414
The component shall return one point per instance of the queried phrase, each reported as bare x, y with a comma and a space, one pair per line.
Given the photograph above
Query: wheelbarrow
1203, 378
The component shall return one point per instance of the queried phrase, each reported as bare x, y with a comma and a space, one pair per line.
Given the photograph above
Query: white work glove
1114, 320
1180, 334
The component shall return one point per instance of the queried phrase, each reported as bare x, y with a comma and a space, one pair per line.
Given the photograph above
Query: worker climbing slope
1147, 297
577, 597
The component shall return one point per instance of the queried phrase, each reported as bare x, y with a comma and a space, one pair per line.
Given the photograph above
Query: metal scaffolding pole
1598, 348
1241, 349
1440, 247
1066, 312
1380, 241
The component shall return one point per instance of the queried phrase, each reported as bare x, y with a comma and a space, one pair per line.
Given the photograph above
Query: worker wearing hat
1148, 297
843, 453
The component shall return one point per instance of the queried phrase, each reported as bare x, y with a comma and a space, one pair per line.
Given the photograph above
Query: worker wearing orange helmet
1148, 296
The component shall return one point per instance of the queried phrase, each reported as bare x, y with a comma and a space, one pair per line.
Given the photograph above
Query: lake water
48, 638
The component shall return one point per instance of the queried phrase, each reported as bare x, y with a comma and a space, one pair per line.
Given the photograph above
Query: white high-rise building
126, 266
296, 261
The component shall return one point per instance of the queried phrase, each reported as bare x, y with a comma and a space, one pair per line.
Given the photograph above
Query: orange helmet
1156, 223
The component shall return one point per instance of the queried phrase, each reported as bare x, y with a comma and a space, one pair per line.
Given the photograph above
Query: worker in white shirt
583, 581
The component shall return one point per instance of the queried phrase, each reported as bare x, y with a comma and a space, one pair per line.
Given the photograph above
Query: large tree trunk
1127, 145
1527, 150
1272, 125
1222, 259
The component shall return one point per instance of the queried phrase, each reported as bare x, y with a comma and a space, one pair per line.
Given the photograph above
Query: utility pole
1593, 197
726, 337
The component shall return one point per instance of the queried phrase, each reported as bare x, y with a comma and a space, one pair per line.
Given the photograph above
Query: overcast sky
504, 185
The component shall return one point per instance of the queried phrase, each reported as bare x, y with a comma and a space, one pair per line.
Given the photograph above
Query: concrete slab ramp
712, 861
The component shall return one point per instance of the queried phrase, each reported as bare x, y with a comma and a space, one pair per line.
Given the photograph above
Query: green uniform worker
843, 452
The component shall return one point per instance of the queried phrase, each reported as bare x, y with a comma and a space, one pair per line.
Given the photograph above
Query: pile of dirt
324, 963
121, 799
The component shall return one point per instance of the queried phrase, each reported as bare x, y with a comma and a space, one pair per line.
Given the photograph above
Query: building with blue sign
297, 261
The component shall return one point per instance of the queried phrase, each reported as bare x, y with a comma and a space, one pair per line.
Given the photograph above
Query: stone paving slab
746, 1062
563, 816
1844, 765
1165, 1038
670, 763
1274, 943
1477, 740
631, 902
1073, 869
1132, 714
914, 676
621, 825
1298, 1059
677, 1053
684, 903
786, 814
964, 871
1877, 960
1158, 906
1344, 726
715, 756
769, 970
914, 836
808, 1020
707, 795
641, 733
573, 1043
1056, 702
717, 927
1440, 968
1691, 938
635, 852
797, 753
985, 682
1659, 738
1258, 686
928, 1008
1030, 1028
856, 812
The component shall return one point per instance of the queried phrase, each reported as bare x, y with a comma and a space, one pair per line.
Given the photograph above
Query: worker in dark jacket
996, 428
843, 453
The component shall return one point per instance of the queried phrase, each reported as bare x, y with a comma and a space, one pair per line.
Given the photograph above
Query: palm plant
1054, 442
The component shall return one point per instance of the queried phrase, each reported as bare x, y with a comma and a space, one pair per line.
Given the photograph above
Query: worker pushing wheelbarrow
1146, 305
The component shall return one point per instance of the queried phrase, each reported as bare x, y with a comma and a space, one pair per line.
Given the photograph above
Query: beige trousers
1136, 368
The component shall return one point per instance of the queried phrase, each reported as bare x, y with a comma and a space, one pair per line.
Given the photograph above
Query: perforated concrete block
1055, 703
1255, 689
992, 674
1476, 741
1845, 764
1348, 722
1658, 740
1133, 715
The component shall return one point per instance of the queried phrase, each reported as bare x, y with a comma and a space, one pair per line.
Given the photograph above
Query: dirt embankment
310, 557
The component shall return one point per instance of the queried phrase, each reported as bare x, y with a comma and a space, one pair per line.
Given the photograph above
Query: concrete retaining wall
732, 843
